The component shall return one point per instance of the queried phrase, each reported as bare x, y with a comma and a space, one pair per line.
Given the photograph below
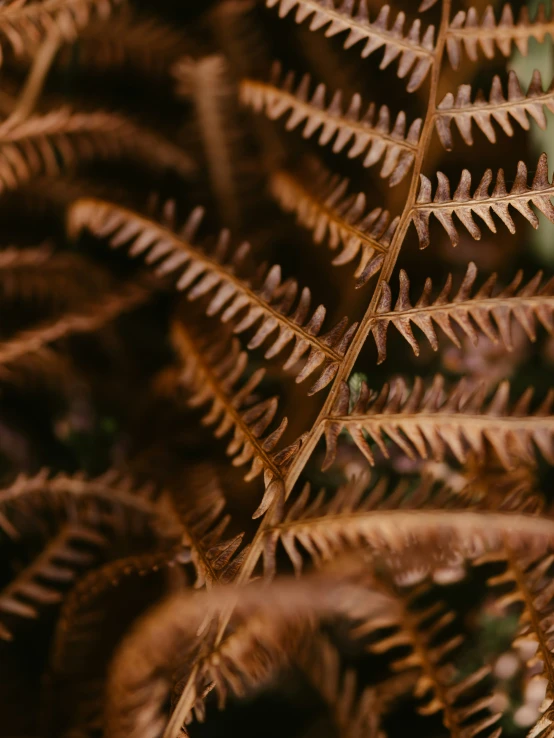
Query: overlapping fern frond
431, 421
269, 307
212, 375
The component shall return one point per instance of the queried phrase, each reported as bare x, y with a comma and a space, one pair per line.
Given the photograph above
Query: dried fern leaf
269, 625
465, 205
142, 42
269, 307
42, 583
211, 373
483, 313
413, 51
355, 716
462, 110
469, 33
527, 581
395, 524
206, 82
44, 490
343, 219
432, 421
423, 630
39, 276
369, 135
92, 317
60, 139
23, 25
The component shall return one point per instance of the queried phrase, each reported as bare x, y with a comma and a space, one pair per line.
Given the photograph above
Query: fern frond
330, 213
269, 306
464, 205
423, 631
366, 135
215, 559
198, 540
211, 374
60, 139
413, 51
527, 580
432, 421
206, 82
270, 623
43, 277
469, 33
142, 42
462, 110
395, 524
24, 24
354, 716
42, 583
92, 316
481, 313
44, 490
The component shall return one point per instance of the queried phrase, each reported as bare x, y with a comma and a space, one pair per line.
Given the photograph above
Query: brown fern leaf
23, 25
423, 630
92, 316
42, 583
211, 374
129, 39
269, 624
43, 277
330, 213
60, 139
354, 716
483, 312
464, 205
396, 525
269, 306
414, 52
215, 560
206, 81
467, 32
462, 110
368, 136
422, 420
46, 491
527, 580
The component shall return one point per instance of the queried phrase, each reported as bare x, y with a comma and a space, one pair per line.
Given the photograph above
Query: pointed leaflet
462, 110
370, 134
483, 313
330, 213
414, 50
469, 33
433, 422
269, 307
465, 205
211, 373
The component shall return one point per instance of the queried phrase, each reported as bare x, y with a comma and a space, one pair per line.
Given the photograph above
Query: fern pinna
233, 498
